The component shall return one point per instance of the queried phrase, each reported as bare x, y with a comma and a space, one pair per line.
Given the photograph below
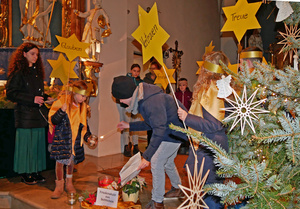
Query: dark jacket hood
150, 90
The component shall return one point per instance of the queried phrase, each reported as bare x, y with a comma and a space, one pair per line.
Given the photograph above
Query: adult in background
25, 87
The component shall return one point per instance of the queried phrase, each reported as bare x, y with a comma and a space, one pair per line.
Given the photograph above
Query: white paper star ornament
195, 192
243, 110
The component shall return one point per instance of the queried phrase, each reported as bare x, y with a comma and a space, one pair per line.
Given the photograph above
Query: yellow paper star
161, 76
241, 18
264, 60
209, 48
72, 47
62, 69
233, 68
200, 63
150, 35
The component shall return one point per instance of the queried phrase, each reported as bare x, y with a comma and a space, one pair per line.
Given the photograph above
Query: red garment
185, 97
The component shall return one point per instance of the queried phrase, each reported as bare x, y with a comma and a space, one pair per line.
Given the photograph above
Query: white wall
193, 23
228, 40
105, 115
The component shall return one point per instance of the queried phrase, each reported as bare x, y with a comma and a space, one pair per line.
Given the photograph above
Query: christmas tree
262, 166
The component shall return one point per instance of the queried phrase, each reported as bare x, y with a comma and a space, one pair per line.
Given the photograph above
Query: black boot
28, 179
127, 151
136, 149
38, 177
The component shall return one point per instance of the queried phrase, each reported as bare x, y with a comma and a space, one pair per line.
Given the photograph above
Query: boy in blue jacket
158, 110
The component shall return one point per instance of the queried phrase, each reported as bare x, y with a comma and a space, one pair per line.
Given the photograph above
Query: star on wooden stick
62, 69
292, 33
72, 47
150, 34
241, 17
195, 192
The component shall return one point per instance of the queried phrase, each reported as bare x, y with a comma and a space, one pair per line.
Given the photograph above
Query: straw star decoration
289, 39
243, 110
195, 192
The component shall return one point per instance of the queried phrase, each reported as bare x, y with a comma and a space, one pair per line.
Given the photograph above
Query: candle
105, 181
108, 133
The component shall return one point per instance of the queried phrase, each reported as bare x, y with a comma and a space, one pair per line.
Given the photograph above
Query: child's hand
182, 114
122, 125
64, 107
144, 163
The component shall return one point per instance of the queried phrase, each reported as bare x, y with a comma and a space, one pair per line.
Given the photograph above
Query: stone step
5, 200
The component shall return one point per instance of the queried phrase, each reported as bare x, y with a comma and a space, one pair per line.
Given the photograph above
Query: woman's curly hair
205, 76
19, 62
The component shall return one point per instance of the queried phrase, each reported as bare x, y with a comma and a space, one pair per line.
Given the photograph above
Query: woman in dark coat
25, 87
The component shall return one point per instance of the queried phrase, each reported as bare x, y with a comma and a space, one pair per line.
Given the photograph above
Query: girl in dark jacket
25, 87
205, 115
69, 115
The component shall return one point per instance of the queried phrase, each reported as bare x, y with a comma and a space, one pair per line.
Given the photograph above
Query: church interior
98, 40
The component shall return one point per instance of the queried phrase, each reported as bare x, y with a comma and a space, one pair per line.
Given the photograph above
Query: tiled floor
85, 179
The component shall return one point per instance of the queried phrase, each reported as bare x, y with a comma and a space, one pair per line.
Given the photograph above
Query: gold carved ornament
3, 27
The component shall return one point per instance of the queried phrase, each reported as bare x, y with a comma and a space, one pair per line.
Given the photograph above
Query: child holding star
205, 115
69, 115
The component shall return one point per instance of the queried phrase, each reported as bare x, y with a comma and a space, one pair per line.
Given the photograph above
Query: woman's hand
143, 164
182, 114
39, 100
123, 125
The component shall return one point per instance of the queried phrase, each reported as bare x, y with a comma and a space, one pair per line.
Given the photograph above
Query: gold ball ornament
92, 141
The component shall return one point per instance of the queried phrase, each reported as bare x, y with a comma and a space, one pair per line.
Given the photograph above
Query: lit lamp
92, 141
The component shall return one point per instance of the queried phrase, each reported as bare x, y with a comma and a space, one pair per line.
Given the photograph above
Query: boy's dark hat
123, 87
